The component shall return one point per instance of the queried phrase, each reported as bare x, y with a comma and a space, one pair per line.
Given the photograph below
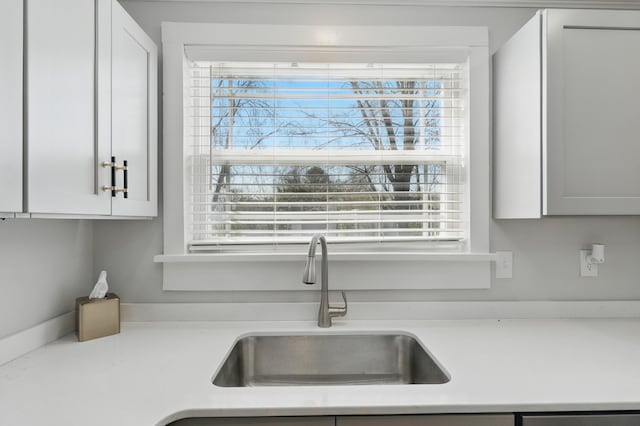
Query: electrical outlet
587, 269
504, 264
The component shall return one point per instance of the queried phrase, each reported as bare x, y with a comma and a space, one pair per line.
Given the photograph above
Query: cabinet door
257, 421
11, 12
428, 420
580, 420
63, 153
134, 115
592, 144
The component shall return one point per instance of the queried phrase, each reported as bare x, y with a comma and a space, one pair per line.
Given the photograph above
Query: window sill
339, 256
350, 271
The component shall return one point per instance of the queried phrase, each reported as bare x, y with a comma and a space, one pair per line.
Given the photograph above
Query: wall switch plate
587, 269
504, 264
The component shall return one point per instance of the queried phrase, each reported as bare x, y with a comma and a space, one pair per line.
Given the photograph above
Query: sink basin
328, 359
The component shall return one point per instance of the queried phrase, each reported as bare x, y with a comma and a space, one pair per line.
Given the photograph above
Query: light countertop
156, 372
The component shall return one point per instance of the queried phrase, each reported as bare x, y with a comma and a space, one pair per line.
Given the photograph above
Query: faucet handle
339, 311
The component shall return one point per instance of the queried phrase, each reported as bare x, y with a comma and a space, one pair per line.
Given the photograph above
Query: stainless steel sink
329, 359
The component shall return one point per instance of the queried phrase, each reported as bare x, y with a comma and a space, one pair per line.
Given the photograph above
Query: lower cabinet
261, 421
537, 419
428, 420
573, 419
418, 420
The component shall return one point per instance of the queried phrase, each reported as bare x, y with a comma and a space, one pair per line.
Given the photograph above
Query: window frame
319, 43
451, 237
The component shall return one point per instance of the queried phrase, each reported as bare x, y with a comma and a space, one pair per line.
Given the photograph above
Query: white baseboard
380, 311
18, 344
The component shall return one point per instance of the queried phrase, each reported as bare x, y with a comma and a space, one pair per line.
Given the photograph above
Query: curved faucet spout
309, 277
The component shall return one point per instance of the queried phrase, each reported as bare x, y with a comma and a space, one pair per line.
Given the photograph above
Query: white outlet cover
504, 264
587, 269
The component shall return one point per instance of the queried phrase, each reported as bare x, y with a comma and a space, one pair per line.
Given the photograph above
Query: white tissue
100, 289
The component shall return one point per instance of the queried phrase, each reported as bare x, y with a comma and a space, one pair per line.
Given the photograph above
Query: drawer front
582, 420
257, 421
428, 420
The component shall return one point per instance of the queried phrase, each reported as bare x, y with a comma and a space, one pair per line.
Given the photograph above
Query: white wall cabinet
11, 51
64, 147
566, 103
134, 114
90, 96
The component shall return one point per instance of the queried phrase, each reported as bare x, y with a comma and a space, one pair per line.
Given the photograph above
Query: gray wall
44, 266
545, 251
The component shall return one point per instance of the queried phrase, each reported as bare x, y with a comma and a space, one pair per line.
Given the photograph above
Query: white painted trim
261, 276
20, 343
572, 4
335, 256
479, 149
141, 312
176, 36
335, 38
419, 40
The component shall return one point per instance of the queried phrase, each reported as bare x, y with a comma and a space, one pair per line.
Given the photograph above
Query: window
363, 153
275, 132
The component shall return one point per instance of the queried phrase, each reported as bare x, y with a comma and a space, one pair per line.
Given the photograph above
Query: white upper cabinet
11, 51
90, 97
63, 150
567, 129
134, 114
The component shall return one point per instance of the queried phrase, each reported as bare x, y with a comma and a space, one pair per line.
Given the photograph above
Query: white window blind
364, 153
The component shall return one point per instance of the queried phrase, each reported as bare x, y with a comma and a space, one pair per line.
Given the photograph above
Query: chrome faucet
309, 277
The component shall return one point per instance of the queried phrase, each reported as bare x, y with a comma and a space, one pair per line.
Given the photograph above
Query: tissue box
97, 317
